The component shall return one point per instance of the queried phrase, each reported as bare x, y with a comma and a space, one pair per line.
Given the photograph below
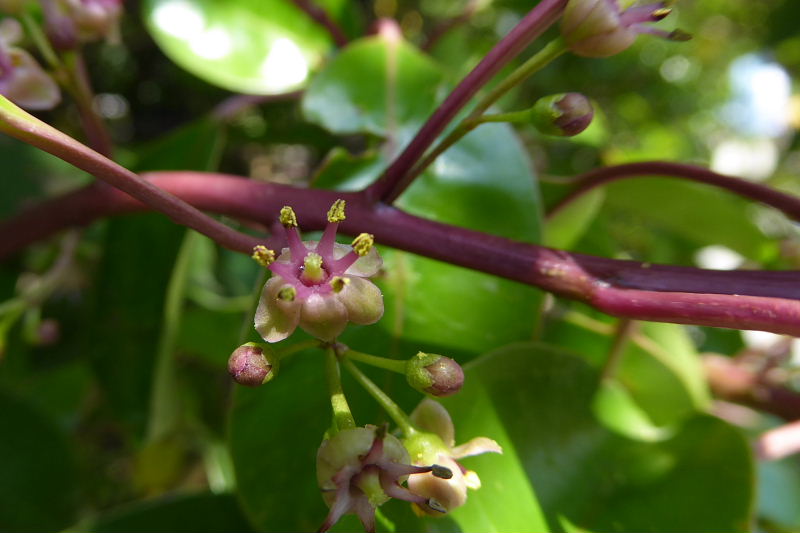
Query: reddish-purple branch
765, 300
788, 204
396, 178
321, 17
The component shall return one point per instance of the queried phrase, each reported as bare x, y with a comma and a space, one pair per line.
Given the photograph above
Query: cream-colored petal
275, 319
449, 493
366, 266
363, 300
432, 417
324, 317
476, 446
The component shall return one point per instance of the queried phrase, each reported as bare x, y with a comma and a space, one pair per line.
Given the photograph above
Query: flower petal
363, 300
365, 266
275, 319
449, 493
28, 85
432, 417
476, 446
323, 316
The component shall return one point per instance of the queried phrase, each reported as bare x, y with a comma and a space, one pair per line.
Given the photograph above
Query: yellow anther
263, 255
363, 244
338, 283
336, 212
287, 294
660, 13
288, 217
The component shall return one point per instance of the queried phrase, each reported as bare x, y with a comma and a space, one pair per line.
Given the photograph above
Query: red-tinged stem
396, 179
234, 105
764, 300
321, 17
788, 204
18, 124
732, 381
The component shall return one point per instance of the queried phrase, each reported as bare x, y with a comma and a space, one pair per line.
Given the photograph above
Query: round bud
252, 364
434, 374
594, 28
564, 114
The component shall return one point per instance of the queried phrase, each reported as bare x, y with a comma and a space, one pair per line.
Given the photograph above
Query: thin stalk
41, 41
298, 347
342, 416
388, 405
394, 365
541, 59
80, 88
394, 180
622, 335
164, 398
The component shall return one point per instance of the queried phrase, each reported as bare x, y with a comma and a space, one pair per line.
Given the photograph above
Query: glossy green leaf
193, 513
660, 369
386, 87
250, 46
38, 489
699, 213
699, 480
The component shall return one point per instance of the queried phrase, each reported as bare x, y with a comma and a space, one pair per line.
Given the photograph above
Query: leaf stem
394, 365
165, 398
388, 405
342, 416
622, 335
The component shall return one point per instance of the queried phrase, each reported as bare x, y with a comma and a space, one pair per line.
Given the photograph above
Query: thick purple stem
765, 300
788, 204
396, 178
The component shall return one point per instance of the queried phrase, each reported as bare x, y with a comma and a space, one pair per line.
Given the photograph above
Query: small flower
434, 374
22, 80
253, 364
600, 28
320, 286
359, 469
436, 444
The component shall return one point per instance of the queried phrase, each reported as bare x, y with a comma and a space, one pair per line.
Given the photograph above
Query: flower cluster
320, 286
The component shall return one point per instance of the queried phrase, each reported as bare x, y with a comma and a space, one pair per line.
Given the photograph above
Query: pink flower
320, 286
600, 28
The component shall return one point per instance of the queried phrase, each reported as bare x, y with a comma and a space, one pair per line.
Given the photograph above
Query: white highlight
285, 67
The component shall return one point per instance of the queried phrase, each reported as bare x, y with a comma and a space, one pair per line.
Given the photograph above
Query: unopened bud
434, 374
564, 114
252, 364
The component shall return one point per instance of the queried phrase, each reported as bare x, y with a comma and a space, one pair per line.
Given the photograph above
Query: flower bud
434, 374
252, 364
564, 114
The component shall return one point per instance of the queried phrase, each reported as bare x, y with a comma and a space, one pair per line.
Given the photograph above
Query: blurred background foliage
116, 410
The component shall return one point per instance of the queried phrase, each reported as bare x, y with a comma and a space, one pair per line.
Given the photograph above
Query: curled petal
449, 493
276, 319
476, 446
432, 417
363, 300
323, 316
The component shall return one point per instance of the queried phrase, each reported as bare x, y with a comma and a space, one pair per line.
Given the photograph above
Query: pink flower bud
564, 114
252, 364
434, 374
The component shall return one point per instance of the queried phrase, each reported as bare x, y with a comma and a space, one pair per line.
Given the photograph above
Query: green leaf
195, 513
274, 434
567, 226
386, 87
696, 212
38, 490
250, 46
379, 85
699, 480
